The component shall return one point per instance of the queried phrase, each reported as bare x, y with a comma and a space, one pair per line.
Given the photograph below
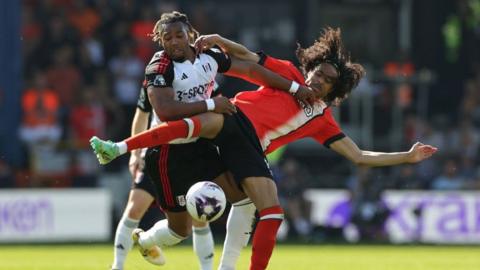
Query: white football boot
153, 255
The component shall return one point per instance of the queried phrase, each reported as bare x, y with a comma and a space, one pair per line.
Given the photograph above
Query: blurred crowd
83, 65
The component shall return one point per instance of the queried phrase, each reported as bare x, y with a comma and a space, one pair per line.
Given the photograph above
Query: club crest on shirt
181, 200
318, 108
159, 80
307, 109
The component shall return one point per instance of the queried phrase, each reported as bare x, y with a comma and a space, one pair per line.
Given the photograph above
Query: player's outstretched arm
347, 148
244, 66
230, 47
257, 74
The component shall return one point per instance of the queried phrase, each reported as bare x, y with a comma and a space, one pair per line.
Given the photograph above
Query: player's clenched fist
305, 95
223, 105
206, 42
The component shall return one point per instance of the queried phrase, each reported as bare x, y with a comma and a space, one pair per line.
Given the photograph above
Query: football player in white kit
179, 84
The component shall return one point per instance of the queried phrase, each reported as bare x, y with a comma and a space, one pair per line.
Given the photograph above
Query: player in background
142, 193
179, 84
267, 119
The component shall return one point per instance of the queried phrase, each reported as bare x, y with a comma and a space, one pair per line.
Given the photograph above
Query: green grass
285, 257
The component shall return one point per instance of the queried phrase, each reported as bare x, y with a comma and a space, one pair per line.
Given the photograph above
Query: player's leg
206, 125
239, 223
203, 244
176, 168
139, 201
242, 154
157, 169
167, 232
263, 193
239, 229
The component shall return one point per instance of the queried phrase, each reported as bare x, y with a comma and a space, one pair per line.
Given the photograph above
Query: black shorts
143, 182
174, 168
240, 149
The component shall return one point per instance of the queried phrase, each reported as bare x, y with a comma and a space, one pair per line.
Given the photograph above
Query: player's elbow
357, 159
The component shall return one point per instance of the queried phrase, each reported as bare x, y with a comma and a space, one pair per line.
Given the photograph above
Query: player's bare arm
168, 109
256, 74
230, 47
347, 148
247, 69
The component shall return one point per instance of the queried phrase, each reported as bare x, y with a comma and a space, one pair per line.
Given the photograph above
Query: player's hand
420, 151
136, 163
337, 101
305, 95
223, 105
206, 42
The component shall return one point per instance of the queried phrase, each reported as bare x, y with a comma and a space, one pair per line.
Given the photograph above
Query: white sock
122, 147
239, 229
159, 235
203, 246
123, 241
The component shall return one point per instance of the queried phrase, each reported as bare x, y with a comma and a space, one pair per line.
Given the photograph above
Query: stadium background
423, 83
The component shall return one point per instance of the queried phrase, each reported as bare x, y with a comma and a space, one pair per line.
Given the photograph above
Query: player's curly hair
172, 17
329, 49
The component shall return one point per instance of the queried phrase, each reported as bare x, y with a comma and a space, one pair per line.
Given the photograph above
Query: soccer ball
205, 201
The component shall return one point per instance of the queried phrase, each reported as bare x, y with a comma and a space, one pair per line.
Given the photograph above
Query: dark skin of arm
252, 72
168, 109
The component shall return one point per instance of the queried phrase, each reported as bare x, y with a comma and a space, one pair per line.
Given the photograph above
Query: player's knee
199, 224
135, 214
182, 229
230, 187
135, 210
262, 191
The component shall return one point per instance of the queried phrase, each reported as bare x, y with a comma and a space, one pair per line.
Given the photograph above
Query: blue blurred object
10, 80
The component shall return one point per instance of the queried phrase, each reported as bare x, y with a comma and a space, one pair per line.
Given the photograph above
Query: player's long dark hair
329, 48
173, 17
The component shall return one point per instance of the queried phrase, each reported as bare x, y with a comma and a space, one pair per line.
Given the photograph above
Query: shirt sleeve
329, 130
223, 60
143, 103
159, 72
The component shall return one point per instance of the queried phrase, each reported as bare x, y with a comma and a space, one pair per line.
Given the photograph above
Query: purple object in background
339, 214
26, 215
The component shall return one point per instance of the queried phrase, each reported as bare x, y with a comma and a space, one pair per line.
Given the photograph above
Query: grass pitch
285, 257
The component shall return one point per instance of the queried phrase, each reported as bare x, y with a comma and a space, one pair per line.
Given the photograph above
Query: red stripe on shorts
163, 172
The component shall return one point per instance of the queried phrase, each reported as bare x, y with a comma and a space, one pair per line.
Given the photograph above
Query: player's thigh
230, 187
169, 170
138, 202
179, 222
212, 123
262, 191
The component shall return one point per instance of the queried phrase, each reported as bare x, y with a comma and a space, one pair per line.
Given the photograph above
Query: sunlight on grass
285, 257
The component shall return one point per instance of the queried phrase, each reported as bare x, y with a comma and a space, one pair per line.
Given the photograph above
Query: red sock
165, 133
265, 236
